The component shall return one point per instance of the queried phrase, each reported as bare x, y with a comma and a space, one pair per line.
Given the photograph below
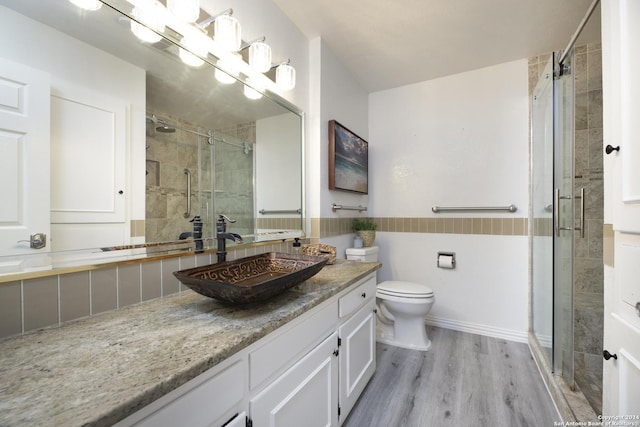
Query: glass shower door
564, 223
542, 210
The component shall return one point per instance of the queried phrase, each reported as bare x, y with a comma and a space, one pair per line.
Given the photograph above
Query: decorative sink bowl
251, 279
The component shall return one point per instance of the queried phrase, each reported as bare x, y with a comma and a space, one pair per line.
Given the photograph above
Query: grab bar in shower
275, 212
187, 214
358, 208
437, 209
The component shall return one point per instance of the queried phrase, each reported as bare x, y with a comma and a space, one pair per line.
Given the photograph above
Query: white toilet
401, 307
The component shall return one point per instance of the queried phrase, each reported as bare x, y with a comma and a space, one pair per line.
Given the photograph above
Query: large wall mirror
109, 146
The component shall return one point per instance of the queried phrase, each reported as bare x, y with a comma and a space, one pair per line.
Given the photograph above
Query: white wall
461, 140
335, 95
278, 166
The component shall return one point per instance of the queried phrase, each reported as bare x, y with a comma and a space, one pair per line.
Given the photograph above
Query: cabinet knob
610, 149
364, 295
608, 355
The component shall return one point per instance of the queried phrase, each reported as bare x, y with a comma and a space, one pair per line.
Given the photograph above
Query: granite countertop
99, 370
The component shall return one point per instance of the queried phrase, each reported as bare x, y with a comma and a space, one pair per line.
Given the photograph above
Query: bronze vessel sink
251, 279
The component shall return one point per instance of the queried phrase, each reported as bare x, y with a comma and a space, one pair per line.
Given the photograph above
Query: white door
305, 395
24, 157
621, 84
357, 356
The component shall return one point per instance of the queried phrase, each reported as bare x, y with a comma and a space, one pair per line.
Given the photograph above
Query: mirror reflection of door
24, 159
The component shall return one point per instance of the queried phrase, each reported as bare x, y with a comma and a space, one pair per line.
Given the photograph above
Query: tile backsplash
32, 304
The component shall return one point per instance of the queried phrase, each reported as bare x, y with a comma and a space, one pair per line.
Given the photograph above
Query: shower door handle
187, 214
581, 227
556, 213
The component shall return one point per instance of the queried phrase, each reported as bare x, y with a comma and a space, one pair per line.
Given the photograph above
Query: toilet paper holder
446, 260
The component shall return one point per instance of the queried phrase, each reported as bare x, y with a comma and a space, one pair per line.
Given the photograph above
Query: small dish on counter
251, 279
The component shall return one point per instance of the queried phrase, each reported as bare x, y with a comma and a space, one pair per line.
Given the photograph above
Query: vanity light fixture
227, 32
87, 4
249, 90
285, 76
150, 13
185, 10
260, 56
197, 48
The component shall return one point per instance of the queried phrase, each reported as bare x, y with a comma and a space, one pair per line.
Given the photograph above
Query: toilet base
385, 335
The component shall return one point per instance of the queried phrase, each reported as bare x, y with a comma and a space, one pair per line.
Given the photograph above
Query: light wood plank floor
464, 380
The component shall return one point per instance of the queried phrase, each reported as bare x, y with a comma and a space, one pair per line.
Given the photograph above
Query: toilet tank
368, 254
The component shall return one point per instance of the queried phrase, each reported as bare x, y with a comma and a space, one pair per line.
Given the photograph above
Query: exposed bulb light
149, 12
227, 33
225, 72
285, 76
87, 4
197, 47
249, 90
185, 10
260, 56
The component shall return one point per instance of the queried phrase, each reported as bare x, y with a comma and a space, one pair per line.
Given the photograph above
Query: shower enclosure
566, 224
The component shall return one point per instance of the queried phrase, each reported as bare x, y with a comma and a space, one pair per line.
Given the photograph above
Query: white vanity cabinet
309, 372
357, 339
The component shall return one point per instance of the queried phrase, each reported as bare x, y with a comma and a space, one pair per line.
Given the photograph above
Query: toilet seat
404, 290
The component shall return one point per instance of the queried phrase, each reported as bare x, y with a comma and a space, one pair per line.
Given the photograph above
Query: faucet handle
221, 223
223, 218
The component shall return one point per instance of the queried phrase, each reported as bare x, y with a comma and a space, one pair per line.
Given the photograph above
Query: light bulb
87, 4
249, 90
197, 47
228, 33
285, 77
260, 56
225, 72
185, 10
149, 12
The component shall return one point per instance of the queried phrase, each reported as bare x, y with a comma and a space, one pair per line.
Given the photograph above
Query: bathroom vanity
301, 357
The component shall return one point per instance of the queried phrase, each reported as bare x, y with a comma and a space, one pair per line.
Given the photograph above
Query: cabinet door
357, 356
305, 395
620, 67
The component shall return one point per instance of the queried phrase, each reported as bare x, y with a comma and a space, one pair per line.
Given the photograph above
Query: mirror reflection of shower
183, 162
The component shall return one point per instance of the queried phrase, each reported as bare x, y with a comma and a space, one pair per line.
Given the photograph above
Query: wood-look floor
464, 380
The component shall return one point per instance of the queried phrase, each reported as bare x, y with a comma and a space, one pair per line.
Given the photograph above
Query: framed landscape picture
348, 160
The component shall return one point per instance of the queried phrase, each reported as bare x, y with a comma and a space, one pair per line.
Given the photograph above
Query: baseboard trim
474, 328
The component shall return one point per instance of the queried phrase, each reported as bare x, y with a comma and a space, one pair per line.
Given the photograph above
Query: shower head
165, 129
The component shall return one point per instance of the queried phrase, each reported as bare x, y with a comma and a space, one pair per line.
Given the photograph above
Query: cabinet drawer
286, 347
203, 405
358, 297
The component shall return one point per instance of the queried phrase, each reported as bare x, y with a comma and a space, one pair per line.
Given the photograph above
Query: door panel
305, 395
24, 156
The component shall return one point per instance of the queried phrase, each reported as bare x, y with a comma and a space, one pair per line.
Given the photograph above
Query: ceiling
391, 43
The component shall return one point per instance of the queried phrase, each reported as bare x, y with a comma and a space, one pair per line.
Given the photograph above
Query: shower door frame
552, 214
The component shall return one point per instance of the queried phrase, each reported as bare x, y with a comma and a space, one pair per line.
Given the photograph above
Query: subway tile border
330, 227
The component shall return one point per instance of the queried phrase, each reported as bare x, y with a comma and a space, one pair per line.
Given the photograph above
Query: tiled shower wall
588, 260
168, 155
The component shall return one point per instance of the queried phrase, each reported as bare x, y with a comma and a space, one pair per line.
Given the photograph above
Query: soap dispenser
296, 246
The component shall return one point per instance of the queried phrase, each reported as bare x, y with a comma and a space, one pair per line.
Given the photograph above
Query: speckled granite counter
99, 370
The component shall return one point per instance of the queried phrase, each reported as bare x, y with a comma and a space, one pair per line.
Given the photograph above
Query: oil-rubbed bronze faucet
222, 236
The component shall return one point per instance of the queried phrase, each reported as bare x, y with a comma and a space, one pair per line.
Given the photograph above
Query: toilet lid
405, 289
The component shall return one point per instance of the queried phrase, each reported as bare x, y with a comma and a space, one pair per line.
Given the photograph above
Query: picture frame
348, 160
